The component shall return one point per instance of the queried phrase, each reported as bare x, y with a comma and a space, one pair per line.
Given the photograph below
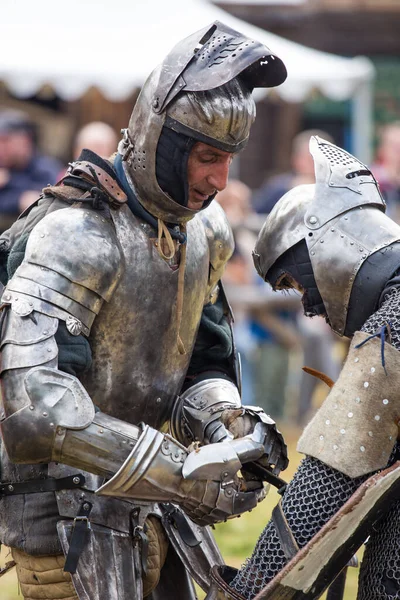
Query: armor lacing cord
179, 300
164, 231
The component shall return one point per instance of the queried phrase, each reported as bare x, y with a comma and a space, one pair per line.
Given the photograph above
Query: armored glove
154, 471
211, 411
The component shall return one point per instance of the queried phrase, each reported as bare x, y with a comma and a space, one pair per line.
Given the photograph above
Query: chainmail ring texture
315, 494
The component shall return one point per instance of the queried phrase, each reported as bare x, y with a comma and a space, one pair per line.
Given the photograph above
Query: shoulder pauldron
73, 263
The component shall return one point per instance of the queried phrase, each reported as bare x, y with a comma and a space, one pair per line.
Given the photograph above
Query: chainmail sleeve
315, 494
380, 570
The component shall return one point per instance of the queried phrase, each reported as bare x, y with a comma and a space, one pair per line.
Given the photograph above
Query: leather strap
288, 543
78, 538
34, 486
176, 517
99, 176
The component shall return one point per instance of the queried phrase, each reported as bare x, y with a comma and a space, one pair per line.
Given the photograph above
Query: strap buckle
81, 527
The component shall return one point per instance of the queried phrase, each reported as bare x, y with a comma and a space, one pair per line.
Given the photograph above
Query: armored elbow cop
211, 411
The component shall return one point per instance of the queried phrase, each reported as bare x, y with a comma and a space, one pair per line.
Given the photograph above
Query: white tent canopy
115, 45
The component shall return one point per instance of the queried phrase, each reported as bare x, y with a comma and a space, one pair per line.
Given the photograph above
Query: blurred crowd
273, 337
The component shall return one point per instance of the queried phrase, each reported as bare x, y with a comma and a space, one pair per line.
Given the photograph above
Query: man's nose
218, 178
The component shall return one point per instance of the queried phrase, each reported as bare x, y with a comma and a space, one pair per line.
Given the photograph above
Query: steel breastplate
137, 369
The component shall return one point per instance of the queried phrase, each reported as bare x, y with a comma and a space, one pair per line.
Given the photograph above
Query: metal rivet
158, 400
321, 241
7, 297
356, 359
366, 384
358, 400
31, 407
86, 506
327, 422
10, 488
332, 229
42, 235
48, 349
390, 437
351, 243
370, 433
362, 448
76, 480
342, 431
51, 424
45, 414
377, 418
101, 430
372, 369
385, 401
346, 218
312, 220
341, 235
321, 437
45, 332
334, 406
350, 414
312, 253
361, 249
335, 447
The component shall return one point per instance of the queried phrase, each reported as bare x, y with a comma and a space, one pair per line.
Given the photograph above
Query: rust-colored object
329, 382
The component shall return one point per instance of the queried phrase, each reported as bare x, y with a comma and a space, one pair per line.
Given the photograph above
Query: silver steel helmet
186, 93
342, 220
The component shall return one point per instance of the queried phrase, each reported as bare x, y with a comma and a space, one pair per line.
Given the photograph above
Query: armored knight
117, 354
334, 244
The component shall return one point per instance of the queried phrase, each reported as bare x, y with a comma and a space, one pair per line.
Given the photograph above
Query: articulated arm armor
47, 414
211, 411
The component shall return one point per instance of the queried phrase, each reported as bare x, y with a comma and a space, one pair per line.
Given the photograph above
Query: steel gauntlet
211, 411
154, 471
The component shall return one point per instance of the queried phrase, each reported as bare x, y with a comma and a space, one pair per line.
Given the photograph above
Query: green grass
236, 538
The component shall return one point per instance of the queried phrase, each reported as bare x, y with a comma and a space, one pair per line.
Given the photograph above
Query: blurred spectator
317, 340
302, 172
23, 170
263, 336
387, 167
238, 276
318, 343
274, 329
98, 137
